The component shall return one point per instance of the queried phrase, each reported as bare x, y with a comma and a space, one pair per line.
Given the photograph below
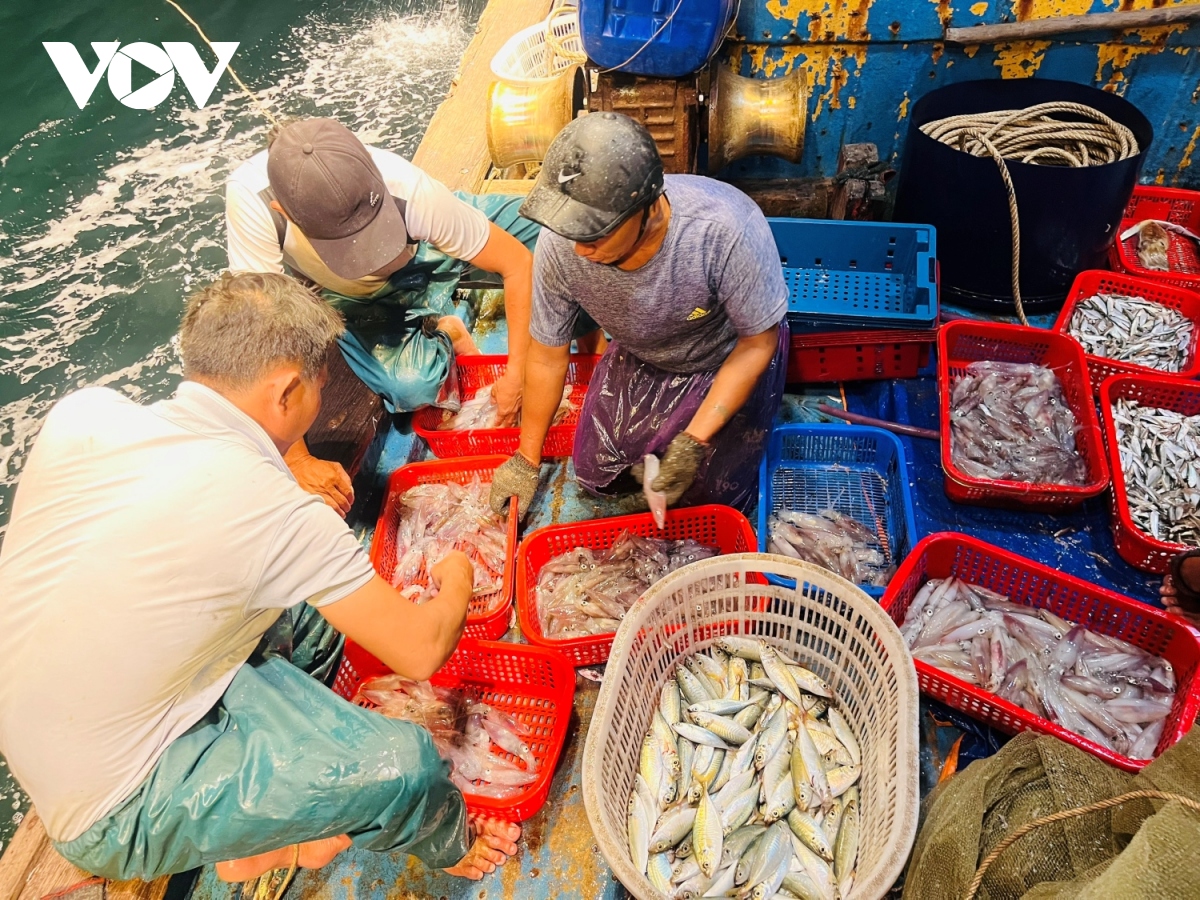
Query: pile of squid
1103, 689
747, 781
439, 518
833, 541
1010, 422
481, 412
463, 730
581, 593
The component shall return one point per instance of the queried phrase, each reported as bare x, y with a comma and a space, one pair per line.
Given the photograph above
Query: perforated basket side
828, 625
522, 59
1095, 281
880, 274
1031, 584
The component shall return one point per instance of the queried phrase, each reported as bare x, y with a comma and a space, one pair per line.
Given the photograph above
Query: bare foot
495, 842
313, 855
1171, 603
460, 338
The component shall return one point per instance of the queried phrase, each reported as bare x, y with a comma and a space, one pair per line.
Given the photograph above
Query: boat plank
31, 869
454, 149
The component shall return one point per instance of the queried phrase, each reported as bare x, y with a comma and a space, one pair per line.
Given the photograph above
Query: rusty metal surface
865, 62
668, 108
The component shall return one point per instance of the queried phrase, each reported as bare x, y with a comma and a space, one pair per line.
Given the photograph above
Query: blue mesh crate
859, 471
860, 274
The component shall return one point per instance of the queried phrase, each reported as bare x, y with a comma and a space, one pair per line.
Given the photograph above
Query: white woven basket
827, 625
523, 58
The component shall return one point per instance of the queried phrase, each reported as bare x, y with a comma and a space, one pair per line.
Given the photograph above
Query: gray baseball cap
327, 183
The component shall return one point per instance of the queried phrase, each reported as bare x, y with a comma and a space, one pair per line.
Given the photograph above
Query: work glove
679, 464
518, 477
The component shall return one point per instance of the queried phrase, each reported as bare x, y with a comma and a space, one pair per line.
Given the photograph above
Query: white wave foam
151, 223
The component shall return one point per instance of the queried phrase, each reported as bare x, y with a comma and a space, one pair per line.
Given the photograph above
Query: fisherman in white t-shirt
385, 243
165, 589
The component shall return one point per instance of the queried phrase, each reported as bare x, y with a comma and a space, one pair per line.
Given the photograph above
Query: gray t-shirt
716, 278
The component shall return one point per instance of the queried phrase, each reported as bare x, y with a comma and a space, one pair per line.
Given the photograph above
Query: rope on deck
1039, 136
1098, 806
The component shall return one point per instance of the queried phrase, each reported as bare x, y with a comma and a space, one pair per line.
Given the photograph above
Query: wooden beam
509, 186
805, 198
1055, 25
454, 149
31, 868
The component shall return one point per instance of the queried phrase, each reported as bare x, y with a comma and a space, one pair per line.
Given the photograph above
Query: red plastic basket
1135, 546
475, 372
480, 623
717, 526
533, 685
1095, 281
1041, 587
965, 341
1166, 205
858, 355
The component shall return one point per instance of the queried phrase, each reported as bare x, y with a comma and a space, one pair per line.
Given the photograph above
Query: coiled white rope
1040, 136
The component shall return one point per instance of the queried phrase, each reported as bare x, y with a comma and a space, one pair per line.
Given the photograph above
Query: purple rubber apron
633, 408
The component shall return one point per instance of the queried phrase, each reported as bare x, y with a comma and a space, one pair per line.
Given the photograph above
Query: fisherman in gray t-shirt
685, 276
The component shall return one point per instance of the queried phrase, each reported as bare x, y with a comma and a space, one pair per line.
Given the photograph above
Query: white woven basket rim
510, 48
901, 838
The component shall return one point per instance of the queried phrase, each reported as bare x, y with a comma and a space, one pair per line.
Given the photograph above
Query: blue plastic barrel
625, 34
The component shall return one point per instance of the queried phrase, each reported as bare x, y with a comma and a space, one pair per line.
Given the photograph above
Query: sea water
109, 216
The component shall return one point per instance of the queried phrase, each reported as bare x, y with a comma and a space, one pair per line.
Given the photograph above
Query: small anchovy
1134, 330
1160, 462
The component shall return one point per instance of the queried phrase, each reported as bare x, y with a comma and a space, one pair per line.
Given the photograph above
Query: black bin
1069, 216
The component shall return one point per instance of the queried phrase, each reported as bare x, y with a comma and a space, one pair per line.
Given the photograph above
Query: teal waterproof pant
385, 343
279, 760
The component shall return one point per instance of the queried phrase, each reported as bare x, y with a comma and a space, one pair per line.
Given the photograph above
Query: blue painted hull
865, 63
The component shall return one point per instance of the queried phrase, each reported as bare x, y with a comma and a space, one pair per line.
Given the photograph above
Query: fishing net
1141, 848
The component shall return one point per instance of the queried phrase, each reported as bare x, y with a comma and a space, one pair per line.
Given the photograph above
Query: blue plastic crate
864, 274
659, 38
861, 472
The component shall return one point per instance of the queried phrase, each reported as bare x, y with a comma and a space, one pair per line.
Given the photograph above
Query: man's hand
453, 571
518, 477
679, 464
507, 394
328, 480
494, 844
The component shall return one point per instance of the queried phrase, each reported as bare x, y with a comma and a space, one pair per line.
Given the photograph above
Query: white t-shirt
432, 214
149, 549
